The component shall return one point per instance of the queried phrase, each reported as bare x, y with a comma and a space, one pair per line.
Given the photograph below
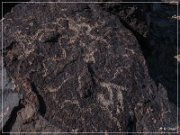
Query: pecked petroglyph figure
80, 64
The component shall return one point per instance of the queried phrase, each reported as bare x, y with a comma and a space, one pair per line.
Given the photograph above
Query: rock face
155, 27
80, 70
10, 97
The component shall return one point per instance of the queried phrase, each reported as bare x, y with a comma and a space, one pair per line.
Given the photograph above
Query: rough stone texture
81, 70
156, 31
10, 97
155, 27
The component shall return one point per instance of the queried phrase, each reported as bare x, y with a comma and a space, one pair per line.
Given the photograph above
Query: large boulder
80, 70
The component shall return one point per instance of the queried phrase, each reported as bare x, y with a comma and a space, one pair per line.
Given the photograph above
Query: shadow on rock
155, 27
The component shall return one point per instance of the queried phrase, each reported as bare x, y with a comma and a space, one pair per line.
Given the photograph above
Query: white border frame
177, 128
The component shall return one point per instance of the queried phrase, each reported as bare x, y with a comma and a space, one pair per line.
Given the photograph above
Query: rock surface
155, 27
80, 70
10, 98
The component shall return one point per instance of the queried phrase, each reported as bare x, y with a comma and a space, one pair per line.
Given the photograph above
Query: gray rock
10, 98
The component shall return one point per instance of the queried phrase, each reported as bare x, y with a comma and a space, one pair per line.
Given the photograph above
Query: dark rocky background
158, 40
155, 30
